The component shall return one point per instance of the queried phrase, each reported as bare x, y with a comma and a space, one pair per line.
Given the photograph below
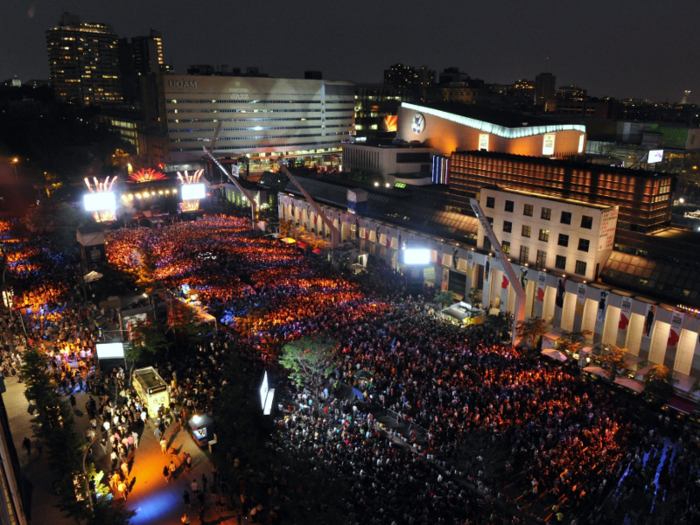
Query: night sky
620, 48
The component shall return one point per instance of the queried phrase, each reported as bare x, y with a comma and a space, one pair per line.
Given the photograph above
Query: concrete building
388, 160
265, 119
84, 62
452, 127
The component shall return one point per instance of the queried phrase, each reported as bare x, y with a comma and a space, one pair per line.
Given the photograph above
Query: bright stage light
100, 201
191, 192
110, 350
416, 256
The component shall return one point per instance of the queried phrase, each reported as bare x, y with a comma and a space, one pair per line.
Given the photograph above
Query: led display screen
110, 350
655, 155
191, 192
100, 201
416, 256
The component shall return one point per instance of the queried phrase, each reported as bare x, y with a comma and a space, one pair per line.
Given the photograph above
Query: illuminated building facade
451, 127
84, 62
265, 119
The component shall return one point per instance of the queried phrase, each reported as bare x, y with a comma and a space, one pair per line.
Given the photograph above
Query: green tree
659, 381
149, 341
475, 297
615, 360
531, 330
310, 361
445, 297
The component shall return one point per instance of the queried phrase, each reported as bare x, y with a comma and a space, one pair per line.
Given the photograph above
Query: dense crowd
486, 433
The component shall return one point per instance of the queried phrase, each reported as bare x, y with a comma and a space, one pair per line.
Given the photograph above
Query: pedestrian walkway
155, 501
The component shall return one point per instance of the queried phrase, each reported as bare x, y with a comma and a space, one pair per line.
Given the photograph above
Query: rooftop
499, 123
548, 197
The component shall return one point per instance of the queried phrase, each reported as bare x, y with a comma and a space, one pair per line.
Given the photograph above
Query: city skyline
622, 50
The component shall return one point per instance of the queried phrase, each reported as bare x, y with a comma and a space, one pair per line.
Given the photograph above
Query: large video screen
191, 192
416, 256
100, 201
110, 350
655, 155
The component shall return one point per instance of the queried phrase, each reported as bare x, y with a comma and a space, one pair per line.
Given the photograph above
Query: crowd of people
482, 432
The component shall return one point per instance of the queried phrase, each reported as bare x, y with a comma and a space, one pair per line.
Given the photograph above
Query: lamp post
15, 161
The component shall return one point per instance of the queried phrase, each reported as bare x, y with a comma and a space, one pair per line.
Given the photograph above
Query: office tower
545, 87
84, 62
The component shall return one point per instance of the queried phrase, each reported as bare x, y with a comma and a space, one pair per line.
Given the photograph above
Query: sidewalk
155, 501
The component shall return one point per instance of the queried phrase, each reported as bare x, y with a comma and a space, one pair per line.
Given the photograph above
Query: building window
587, 222
510, 205
544, 235
565, 217
563, 240
580, 268
505, 246
583, 245
490, 202
528, 209
546, 214
526, 231
524, 255
487, 243
560, 262
541, 262
507, 226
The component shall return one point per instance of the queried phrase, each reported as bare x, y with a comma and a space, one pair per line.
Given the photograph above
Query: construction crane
335, 234
209, 153
519, 314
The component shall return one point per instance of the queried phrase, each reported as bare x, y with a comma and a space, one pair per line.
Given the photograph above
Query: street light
15, 160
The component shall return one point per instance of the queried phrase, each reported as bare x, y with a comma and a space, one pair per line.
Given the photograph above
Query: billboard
100, 201
483, 141
655, 155
416, 256
191, 192
548, 144
110, 350
391, 123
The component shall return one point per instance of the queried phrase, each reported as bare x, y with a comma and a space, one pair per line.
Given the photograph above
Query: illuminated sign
548, 144
100, 201
110, 350
418, 123
655, 155
391, 122
581, 143
183, 83
416, 256
483, 141
192, 192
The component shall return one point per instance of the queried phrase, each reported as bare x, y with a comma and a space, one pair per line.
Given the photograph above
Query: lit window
528, 210
546, 214
526, 230
544, 235
580, 268
505, 246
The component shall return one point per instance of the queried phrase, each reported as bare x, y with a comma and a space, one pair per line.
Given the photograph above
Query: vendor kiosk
202, 427
152, 390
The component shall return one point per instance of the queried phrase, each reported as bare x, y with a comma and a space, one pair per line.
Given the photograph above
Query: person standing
27, 444
163, 445
172, 468
73, 402
194, 486
166, 473
204, 482
40, 446
186, 499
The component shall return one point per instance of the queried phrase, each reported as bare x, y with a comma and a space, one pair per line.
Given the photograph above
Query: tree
571, 342
615, 360
531, 330
107, 512
148, 341
659, 381
310, 361
445, 298
475, 297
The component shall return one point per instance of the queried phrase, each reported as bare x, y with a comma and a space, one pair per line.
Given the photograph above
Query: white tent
554, 354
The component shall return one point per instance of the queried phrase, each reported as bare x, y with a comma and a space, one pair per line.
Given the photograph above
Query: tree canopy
310, 360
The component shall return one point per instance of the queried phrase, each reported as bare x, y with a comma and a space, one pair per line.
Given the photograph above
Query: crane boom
245, 192
335, 234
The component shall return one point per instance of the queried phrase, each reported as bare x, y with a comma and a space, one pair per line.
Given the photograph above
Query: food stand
202, 427
152, 390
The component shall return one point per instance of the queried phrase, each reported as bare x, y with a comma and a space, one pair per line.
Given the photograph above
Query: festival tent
630, 383
554, 354
596, 370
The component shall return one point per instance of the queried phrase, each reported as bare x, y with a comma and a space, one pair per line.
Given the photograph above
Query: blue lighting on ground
153, 508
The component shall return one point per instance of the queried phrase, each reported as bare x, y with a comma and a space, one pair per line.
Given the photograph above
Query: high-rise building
148, 53
400, 76
545, 87
84, 62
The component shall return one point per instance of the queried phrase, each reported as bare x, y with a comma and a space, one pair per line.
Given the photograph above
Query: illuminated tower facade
84, 62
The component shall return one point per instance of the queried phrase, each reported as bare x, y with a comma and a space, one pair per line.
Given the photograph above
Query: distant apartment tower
400, 76
84, 62
545, 87
141, 56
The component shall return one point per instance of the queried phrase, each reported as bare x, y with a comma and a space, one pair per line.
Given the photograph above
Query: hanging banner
580, 298
523, 277
602, 305
487, 269
625, 312
541, 286
649, 320
674, 334
561, 291
505, 282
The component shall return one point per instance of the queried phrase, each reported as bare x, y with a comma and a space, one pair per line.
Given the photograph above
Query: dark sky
621, 48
